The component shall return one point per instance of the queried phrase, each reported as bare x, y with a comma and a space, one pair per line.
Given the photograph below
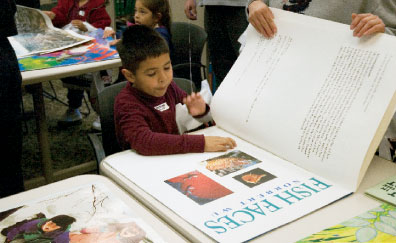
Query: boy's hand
79, 24
218, 144
50, 14
195, 104
366, 24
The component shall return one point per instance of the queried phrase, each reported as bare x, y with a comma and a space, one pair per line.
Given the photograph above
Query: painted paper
375, 225
90, 213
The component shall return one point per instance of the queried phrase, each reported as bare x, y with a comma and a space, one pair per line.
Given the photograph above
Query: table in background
35, 79
23, 198
328, 216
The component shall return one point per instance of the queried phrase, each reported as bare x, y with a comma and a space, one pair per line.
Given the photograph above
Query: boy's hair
138, 43
162, 7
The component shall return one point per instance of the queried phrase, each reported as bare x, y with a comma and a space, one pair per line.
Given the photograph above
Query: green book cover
385, 191
375, 225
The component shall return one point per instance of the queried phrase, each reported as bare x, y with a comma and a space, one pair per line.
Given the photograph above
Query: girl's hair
160, 7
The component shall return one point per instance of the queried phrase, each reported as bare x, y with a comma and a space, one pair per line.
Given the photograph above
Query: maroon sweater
147, 124
94, 12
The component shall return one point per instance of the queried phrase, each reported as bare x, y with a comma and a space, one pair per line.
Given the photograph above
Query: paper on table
385, 191
36, 34
303, 92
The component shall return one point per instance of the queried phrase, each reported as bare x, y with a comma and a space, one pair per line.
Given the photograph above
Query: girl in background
151, 13
78, 12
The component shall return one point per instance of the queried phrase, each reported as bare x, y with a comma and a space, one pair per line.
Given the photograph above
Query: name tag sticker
81, 13
162, 107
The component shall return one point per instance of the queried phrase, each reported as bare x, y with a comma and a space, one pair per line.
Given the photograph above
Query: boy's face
153, 75
144, 16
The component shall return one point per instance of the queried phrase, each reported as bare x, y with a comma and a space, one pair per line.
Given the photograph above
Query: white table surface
328, 216
157, 224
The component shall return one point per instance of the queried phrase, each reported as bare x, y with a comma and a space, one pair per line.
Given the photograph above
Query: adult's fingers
356, 19
366, 24
190, 10
261, 17
375, 29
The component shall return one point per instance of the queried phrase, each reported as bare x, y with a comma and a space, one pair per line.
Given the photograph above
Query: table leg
42, 135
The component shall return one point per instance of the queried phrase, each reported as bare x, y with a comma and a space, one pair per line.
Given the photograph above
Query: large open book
307, 109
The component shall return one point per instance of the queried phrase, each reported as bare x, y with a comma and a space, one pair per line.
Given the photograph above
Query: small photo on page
230, 162
198, 187
254, 177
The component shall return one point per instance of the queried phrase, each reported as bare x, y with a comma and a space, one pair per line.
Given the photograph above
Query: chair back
106, 107
181, 33
185, 84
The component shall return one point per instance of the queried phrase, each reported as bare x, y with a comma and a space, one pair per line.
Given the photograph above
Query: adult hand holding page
307, 110
313, 95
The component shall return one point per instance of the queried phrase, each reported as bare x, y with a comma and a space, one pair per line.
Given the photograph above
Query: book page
231, 196
313, 95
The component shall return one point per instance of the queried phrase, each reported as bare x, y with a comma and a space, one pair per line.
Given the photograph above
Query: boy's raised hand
195, 104
218, 144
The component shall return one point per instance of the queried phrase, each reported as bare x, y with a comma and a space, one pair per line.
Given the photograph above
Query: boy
144, 111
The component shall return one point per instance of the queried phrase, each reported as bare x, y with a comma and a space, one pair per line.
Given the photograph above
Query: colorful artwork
254, 177
87, 214
90, 52
376, 225
197, 186
230, 162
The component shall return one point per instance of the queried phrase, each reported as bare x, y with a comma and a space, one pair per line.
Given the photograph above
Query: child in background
144, 111
151, 13
77, 13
